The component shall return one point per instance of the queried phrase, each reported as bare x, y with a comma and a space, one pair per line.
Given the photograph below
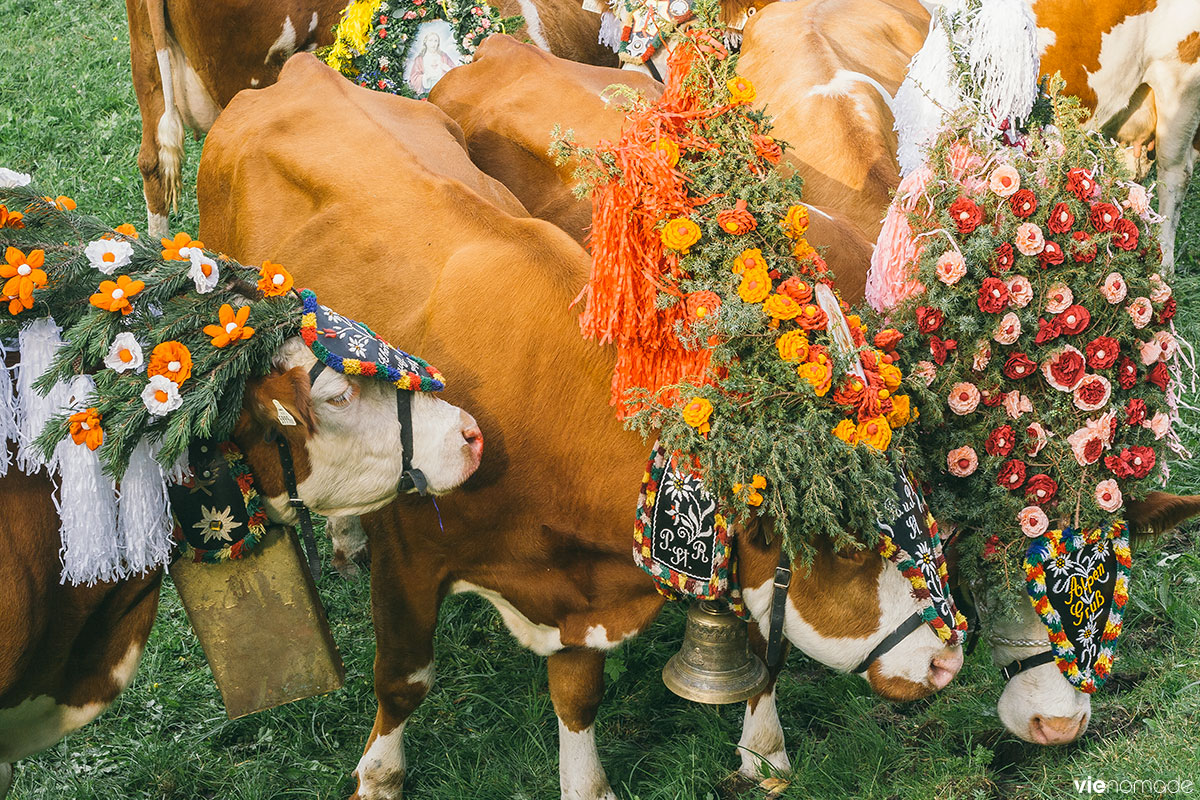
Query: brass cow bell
715, 664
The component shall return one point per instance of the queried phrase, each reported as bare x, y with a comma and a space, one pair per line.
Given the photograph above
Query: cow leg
1178, 120
161, 155
350, 553
762, 734
6, 774
576, 688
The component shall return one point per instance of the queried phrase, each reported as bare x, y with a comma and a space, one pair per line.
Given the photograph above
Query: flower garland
1040, 335
730, 339
375, 40
1058, 543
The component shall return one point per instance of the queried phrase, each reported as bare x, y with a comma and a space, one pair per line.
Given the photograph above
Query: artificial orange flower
818, 373
172, 359
754, 499
740, 90
803, 250
758, 482
737, 220
780, 306
233, 326
875, 432
696, 413
85, 428
766, 148
749, 259
274, 280
795, 222
702, 304
847, 431
755, 286
114, 296
62, 202
668, 148
23, 274
11, 219
792, 346
171, 247
797, 289
812, 318
126, 229
680, 234
903, 411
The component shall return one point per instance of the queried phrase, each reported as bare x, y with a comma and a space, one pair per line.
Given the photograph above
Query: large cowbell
714, 664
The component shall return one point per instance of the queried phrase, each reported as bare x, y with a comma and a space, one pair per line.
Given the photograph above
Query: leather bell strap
783, 579
305, 516
914, 621
1010, 671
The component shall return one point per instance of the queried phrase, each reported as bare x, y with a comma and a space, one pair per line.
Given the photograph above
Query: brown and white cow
190, 57
543, 530
66, 652
509, 135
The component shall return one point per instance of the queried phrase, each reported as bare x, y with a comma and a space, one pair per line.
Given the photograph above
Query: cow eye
751, 11
345, 398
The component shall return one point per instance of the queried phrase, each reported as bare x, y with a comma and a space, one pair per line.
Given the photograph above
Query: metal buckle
783, 576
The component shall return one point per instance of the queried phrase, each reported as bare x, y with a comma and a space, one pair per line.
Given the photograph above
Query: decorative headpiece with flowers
731, 342
130, 351
1040, 334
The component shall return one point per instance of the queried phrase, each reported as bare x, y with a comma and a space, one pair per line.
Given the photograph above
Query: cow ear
1160, 512
283, 402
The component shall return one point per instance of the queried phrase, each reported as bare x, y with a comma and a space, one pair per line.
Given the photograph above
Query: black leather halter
783, 579
410, 478
1010, 671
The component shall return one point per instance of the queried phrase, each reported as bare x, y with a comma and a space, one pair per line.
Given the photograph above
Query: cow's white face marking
1038, 701
356, 454
380, 771
911, 659
580, 775
283, 47
541, 639
762, 739
38, 722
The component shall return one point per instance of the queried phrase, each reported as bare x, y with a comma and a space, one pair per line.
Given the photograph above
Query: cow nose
1057, 730
472, 436
944, 667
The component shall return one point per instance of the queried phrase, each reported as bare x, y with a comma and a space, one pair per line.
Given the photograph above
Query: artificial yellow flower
680, 234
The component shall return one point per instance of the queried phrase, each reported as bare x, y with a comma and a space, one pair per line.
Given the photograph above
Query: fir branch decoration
157, 372
732, 344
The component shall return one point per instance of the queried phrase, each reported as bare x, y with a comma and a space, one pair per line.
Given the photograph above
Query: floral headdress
730, 338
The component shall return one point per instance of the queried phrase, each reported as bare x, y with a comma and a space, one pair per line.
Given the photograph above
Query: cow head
842, 609
1038, 704
345, 437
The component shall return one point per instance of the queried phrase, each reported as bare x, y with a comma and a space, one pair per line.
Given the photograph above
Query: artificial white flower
204, 272
108, 255
125, 354
11, 178
216, 524
161, 396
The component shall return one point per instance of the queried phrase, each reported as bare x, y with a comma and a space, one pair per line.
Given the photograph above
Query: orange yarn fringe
629, 265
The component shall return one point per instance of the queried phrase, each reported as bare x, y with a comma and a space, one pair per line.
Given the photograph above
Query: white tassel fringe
8, 413
38, 342
144, 514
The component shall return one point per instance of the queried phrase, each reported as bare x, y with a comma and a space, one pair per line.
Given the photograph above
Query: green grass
67, 113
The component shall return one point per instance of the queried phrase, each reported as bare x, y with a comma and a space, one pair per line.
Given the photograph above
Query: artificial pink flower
1140, 311
1168, 344
1037, 438
1159, 290
926, 371
1020, 291
964, 398
962, 461
950, 267
1151, 351
1059, 298
1114, 288
981, 357
1033, 521
1016, 404
1139, 200
1009, 329
1064, 369
1093, 393
1030, 240
1159, 425
1004, 181
1108, 495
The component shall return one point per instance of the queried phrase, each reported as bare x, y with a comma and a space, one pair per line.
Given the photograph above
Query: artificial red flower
1018, 366
1126, 234
886, 339
797, 288
1158, 376
1084, 251
1104, 216
1048, 331
1004, 257
991, 546
1074, 319
1168, 310
1051, 256
1081, 184
1118, 466
1092, 450
966, 214
993, 296
992, 398
1127, 374
1061, 219
1000, 442
766, 148
1141, 460
737, 220
1023, 203
1067, 368
1102, 352
1092, 392
1012, 475
1135, 411
1041, 489
929, 319
940, 347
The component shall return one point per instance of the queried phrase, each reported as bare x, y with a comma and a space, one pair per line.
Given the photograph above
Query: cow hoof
6, 773
775, 766
352, 565
350, 552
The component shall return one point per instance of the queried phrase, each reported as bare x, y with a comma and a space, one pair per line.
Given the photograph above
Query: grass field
68, 114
